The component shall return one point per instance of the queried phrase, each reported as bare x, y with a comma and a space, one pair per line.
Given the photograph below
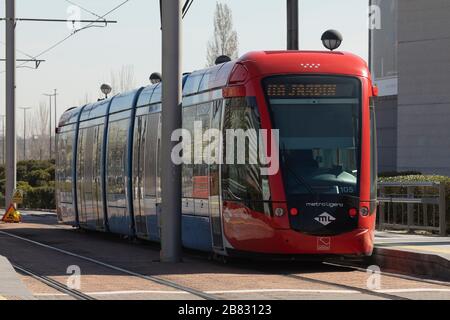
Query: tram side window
68, 155
189, 114
138, 151
88, 160
151, 146
80, 169
61, 157
242, 182
200, 179
142, 140
98, 143
116, 157
64, 167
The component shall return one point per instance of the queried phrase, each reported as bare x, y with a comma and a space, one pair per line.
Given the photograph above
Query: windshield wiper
296, 176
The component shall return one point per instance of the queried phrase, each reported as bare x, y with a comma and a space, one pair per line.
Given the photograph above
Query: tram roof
258, 63
262, 63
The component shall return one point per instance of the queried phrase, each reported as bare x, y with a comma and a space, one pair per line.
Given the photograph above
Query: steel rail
54, 284
151, 278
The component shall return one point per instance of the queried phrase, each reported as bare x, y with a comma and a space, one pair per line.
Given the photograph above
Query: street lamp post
3, 138
25, 109
171, 121
56, 120
106, 89
292, 25
10, 79
36, 141
50, 123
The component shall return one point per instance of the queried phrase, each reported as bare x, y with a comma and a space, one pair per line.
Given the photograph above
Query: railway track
289, 273
154, 279
390, 274
78, 295
347, 287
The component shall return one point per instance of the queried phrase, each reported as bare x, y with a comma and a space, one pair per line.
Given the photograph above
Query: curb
412, 263
11, 286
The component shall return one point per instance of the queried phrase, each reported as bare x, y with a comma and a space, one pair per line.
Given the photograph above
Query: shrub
41, 198
36, 180
399, 174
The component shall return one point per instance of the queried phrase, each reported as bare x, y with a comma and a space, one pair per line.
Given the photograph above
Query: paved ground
414, 243
94, 254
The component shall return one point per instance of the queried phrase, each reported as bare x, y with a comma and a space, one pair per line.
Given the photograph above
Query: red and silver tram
321, 200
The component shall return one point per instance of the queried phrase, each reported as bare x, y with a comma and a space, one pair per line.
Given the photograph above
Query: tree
85, 100
225, 40
38, 144
123, 80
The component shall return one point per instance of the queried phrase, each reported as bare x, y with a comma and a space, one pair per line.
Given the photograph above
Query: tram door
151, 181
82, 216
214, 183
138, 176
158, 176
97, 200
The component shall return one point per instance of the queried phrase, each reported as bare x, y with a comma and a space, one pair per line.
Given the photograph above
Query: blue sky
81, 64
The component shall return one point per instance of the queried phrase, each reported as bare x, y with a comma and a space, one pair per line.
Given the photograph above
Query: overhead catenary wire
81, 29
20, 51
31, 58
90, 25
186, 7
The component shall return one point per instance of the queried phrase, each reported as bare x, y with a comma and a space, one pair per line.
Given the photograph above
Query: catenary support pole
3, 139
56, 121
50, 127
292, 25
10, 101
171, 120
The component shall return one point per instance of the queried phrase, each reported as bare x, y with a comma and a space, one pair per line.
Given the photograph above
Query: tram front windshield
318, 118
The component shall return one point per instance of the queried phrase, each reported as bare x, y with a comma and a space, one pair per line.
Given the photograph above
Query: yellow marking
419, 248
3, 298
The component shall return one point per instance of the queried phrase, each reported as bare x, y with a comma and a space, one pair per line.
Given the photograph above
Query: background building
410, 61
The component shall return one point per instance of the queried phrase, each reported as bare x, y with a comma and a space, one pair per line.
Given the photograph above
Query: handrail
410, 200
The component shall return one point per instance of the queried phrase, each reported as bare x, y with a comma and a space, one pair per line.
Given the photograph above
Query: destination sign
308, 87
302, 90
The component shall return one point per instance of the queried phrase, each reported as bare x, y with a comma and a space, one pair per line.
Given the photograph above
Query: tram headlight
279, 212
364, 211
353, 212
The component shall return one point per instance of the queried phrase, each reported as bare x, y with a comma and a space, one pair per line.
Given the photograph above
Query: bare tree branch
122, 80
225, 39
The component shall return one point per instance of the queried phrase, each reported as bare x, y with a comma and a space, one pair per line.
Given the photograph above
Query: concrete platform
416, 255
11, 287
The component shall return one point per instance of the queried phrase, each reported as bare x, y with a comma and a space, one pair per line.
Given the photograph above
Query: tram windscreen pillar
292, 25
10, 100
171, 121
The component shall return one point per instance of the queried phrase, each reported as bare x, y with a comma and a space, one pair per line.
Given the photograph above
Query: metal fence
412, 206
